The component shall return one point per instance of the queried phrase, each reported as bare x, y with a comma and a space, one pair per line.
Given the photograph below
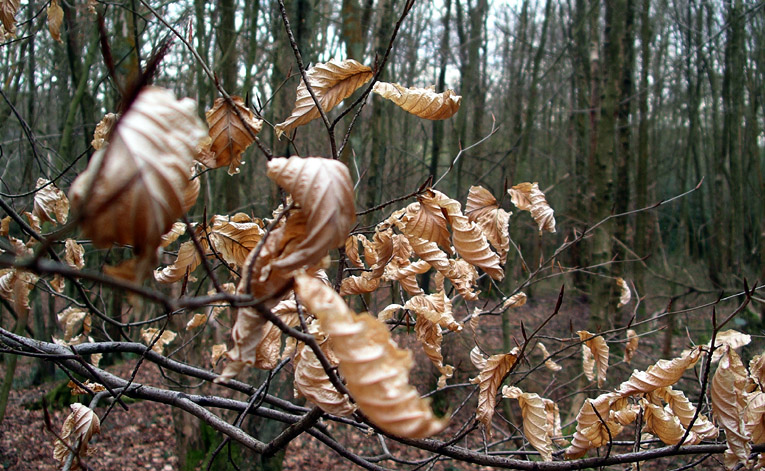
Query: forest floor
144, 436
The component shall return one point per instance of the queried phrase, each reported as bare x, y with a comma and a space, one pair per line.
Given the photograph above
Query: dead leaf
632, 345
103, 130
217, 352
74, 255
489, 380
229, 134
422, 102
332, 82
663, 373
186, 261
313, 383
197, 321
148, 335
79, 427
133, 190
55, 19
515, 301
729, 402
477, 358
483, 209
375, 369
599, 349
50, 203
177, 230
8, 10
235, 237
733, 338
549, 363
534, 420
528, 197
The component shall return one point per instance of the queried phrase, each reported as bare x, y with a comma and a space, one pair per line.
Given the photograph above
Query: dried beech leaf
191, 193
437, 308
187, 260
50, 203
588, 363
324, 190
332, 82
422, 102
15, 286
217, 352
599, 350
104, 130
79, 427
528, 197
663, 373
554, 428
375, 369
467, 238
268, 351
430, 337
149, 335
197, 321
664, 425
55, 19
534, 420
359, 284
5, 226
388, 312
74, 255
425, 220
754, 415
685, 411
234, 238
313, 383
406, 274
477, 358
483, 209
757, 369
489, 379
632, 345
515, 301
625, 293
177, 230
232, 130
549, 363
593, 431
72, 319
352, 250
8, 9
133, 190
733, 338
75, 389
729, 402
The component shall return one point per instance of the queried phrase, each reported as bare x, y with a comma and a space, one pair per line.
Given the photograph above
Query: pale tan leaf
534, 420
625, 293
388, 312
528, 197
313, 383
79, 427
554, 428
436, 308
665, 425
352, 250
477, 358
103, 130
753, 418
55, 19
234, 238
133, 190
217, 352
375, 369
757, 370
467, 238
74, 255
405, 273
15, 286
50, 203
75, 389
592, 429
8, 10
72, 319
5, 226
483, 209
685, 411
268, 351
599, 349
663, 373
232, 131
588, 363
58, 283
733, 338
430, 337
197, 321
186, 261
463, 276
422, 102
729, 402
324, 190
191, 193
515, 301
632, 345
425, 220
150, 334
177, 230
332, 82
489, 380
549, 363
34, 221
359, 284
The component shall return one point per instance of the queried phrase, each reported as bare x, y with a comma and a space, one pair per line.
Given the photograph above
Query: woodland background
610, 105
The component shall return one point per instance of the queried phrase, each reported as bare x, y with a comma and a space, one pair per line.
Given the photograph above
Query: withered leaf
591, 432
187, 260
313, 383
104, 130
477, 358
74, 255
549, 363
375, 369
79, 427
235, 237
133, 190
150, 334
332, 82
729, 402
50, 203
489, 379
55, 19
663, 373
229, 134
483, 209
599, 349
625, 293
422, 102
528, 197
8, 9
632, 345
534, 420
